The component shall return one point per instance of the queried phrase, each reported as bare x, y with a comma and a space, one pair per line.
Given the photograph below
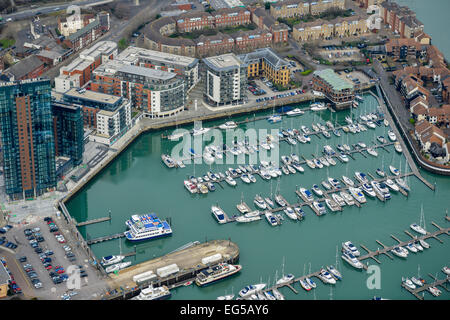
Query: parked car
23, 259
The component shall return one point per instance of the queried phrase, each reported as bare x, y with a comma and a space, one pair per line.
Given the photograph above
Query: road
51, 8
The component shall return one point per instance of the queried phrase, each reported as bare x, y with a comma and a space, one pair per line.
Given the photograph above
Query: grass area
123, 44
306, 72
7, 42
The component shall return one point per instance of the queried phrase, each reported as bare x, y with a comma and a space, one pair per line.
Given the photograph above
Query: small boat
348, 119
357, 194
386, 122
286, 279
363, 118
251, 289
337, 132
226, 297
300, 213
319, 207
368, 190
242, 207
271, 219
305, 285
249, 217
392, 135
310, 164
291, 169
285, 170
349, 246
230, 181
418, 246
251, 177
290, 213
295, 112
346, 147
400, 252
245, 178
334, 272
315, 128
324, 161
310, 282
411, 247
330, 160
218, 214
326, 277
318, 164
305, 129
371, 125
317, 190
362, 144
417, 282
168, 161
361, 177
269, 202
338, 199
349, 182
291, 141
109, 260
211, 186
191, 187
326, 185
398, 147
307, 194
298, 167
274, 118
326, 134
381, 139
343, 157
402, 184
424, 244
351, 259
434, 291
269, 295
280, 201
259, 202
328, 150
228, 125
359, 98
380, 172
372, 152
391, 184
340, 148
329, 124
347, 198
382, 189
277, 294
418, 228
202, 188
318, 106
335, 183
446, 270
408, 283
117, 267
200, 131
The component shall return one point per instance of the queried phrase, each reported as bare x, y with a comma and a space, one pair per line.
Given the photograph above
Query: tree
123, 44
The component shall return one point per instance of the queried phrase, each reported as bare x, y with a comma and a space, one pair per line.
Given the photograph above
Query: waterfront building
27, 137
411, 87
402, 48
427, 134
77, 73
225, 80
265, 62
112, 113
338, 90
68, 131
400, 19
419, 108
186, 67
439, 116
157, 93
367, 3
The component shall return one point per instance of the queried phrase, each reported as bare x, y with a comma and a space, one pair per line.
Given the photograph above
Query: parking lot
335, 53
51, 265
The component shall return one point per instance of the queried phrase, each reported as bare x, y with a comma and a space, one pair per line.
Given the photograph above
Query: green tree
123, 43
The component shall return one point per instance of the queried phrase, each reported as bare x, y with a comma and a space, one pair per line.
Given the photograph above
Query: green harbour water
137, 181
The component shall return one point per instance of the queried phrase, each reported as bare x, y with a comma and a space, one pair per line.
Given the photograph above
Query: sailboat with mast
420, 228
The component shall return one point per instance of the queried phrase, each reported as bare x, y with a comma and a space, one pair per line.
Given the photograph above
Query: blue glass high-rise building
27, 137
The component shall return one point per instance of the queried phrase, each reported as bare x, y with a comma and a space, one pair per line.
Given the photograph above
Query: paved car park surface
25, 257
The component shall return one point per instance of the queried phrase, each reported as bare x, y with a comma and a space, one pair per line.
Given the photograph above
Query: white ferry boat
150, 293
218, 214
228, 125
146, 227
108, 260
216, 273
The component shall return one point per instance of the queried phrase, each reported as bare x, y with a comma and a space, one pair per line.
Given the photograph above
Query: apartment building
265, 62
77, 73
229, 17
339, 91
245, 41
400, 19
214, 45
71, 24
298, 8
28, 145
197, 20
225, 80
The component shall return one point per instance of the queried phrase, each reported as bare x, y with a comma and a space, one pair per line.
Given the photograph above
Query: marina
197, 223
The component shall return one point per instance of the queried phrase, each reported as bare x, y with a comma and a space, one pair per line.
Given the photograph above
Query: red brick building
246, 41
214, 45
231, 17
191, 21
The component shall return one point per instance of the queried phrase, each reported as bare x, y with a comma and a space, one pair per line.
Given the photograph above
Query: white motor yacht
357, 194
349, 246
400, 252
394, 170
349, 182
251, 289
392, 135
391, 184
295, 112
326, 277
290, 213
351, 259
408, 283
418, 228
259, 202
228, 125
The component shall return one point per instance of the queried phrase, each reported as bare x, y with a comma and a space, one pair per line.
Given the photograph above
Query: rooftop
223, 62
23, 67
133, 54
333, 79
4, 276
147, 72
267, 54
99, 48
93, 96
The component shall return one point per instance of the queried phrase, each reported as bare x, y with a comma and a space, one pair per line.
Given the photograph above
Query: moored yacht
228, 125
286, 279
295, 112
368, 190
361, 177
259, 202
332, 205
318, 106
392, 135
349, 246
380, 172
391, 184
271, 218
400, 252
357, 194
418, 228
249, 217
338, 199
326, 277
351, 259
398, 147
394, 170
216, 273
108, 260
218, 214
408, 283
307, 194
349, 182
251, 289
319, 207
290, 213
317, 190
347, 198
153, 293
305, 285
334, 272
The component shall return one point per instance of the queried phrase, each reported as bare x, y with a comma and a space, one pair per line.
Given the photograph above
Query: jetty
85, 223
188, 260
416, 292
105, 238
